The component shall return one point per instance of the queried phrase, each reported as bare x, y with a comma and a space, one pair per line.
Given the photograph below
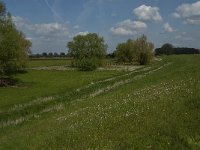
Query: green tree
139, 50
14, 47
143, 50
125, 52
167, 49
44, 54
87, 50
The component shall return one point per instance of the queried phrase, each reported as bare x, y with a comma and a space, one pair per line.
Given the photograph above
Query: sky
50, 24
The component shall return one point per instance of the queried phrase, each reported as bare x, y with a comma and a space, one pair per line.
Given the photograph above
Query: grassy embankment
156, 107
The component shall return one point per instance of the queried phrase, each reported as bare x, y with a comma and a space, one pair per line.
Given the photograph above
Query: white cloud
192, 21
128, 27
128, 24
188, 10
82, 33
122, 31
44, 36
168, 28
176, 15
147, 13
50, 29
20, 22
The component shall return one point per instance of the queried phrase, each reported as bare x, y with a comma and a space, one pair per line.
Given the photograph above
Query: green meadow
152, 107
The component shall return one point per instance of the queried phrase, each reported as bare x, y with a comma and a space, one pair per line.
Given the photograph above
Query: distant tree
55, 54
87, 50
139, 50
185, 50
167, 49
50, 54
37, 55
62, 54
44, 54
14, 47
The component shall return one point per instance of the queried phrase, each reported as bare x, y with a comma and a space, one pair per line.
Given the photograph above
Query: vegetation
155, 107
48, 62
52, 106
169, 49
14, 47
37, 84
87, 50
125, 52
139, 50
49, 55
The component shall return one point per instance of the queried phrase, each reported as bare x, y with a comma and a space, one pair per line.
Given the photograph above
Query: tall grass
156, 107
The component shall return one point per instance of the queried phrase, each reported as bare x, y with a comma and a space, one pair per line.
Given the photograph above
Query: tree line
49, 55
169, 49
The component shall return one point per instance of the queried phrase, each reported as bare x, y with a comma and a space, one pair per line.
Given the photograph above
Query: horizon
50, 24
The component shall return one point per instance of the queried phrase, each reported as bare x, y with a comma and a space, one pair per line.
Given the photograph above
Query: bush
87, 64
139, 50
125, 52
144, 58
143, 50
87, 50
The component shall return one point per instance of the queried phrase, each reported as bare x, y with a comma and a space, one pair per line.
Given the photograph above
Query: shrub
139, 50
125, 52
87, 50
87, 64
143, 50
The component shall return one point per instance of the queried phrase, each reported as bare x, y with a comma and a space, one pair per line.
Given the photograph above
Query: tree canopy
125, 51
139, 50
87, 50
14, 47
87, 46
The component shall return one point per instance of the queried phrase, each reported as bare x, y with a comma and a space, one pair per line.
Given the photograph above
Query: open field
153, 107
48, 62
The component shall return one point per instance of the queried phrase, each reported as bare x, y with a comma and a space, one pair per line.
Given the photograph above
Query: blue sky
50, 24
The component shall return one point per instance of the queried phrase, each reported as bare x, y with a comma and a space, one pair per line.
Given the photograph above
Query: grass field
154, 107
48, 62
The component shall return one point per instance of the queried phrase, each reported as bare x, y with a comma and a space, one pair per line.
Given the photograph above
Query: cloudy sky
50, 24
